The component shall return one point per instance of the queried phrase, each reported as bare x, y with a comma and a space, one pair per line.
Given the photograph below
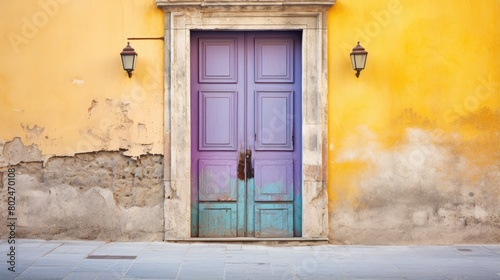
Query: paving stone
201, 272
81, 276
429, 277
103, 265
60, 260
109, 275
38, 272
153, 270
236, 276
6, 274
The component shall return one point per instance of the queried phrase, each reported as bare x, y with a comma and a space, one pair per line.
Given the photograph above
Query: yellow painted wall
421, 121
62, 86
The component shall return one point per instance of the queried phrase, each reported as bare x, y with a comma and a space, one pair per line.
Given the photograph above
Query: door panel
273, 180
218, 60
273, 120
218, 219
274, 220
274, 61
218, 113
245, 112
217, 180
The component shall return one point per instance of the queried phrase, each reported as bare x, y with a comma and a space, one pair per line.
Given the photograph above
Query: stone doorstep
284, 241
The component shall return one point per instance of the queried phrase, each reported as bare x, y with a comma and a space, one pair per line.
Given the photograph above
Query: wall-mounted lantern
358, 58
128, 59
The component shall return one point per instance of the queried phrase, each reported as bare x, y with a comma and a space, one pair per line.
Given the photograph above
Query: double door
246, 127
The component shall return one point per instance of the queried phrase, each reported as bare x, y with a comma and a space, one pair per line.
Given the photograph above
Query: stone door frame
183, 16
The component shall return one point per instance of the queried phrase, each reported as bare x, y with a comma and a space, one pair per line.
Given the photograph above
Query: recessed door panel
217, 180
274, 120
274, 180
274, 220
274, 61
218, 60
245, 112
218, 120
218, 219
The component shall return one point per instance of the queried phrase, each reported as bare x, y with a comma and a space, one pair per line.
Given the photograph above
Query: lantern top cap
128, 50
358, 49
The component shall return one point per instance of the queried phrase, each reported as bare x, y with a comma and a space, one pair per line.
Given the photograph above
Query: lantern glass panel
128, 61
353, 62
360, 61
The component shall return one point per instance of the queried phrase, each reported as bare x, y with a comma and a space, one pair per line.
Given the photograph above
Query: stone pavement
38, 259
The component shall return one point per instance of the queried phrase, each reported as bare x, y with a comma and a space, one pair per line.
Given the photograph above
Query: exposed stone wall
101, 195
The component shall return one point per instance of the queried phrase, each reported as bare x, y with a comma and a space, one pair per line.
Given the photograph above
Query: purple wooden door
245, 116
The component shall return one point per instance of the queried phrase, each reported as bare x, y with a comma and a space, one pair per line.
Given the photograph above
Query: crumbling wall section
432, 188
103, 195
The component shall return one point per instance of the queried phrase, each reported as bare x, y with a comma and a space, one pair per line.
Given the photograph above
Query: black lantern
128, 59
358, 58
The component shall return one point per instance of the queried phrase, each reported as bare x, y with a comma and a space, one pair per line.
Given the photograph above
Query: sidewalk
38, 259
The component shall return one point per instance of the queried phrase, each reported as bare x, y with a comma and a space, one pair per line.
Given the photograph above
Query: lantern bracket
146, 38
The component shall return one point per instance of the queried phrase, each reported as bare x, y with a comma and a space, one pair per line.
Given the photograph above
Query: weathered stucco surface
76, 98
414, 142
85, 139
425, 190
101, 195
14, 152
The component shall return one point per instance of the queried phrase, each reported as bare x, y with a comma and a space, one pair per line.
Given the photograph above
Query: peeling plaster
92, 106
2, 159
141, 129
15, 151
78, 82
110, 128
137, 150
115, 130
32, 133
